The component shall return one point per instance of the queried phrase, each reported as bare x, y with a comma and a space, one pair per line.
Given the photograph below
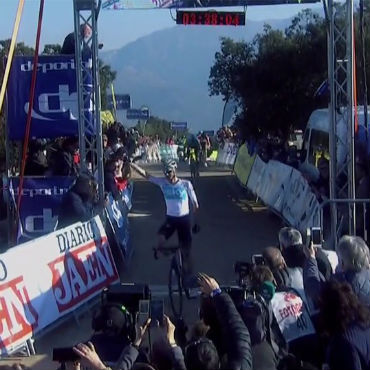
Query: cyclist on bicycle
193, 163
178, 193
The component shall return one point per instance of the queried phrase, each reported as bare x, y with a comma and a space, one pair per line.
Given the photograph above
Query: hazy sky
116, 28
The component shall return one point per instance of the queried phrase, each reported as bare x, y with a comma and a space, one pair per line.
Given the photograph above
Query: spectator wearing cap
353, 268
347, 324
292, 249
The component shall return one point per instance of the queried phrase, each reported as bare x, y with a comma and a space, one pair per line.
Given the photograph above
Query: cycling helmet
169, 165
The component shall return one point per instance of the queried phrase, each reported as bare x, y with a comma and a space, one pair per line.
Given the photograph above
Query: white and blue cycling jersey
176, 195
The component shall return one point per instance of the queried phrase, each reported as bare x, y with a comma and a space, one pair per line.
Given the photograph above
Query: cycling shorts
180, 224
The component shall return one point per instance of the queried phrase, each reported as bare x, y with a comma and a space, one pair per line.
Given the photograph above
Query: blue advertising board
123, 101
180, 126
117, 212
55, 108
41, 198
143, 114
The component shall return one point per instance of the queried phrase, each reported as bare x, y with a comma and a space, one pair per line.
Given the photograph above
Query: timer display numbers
210, 18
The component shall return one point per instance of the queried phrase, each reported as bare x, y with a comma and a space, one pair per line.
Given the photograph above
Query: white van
316, 139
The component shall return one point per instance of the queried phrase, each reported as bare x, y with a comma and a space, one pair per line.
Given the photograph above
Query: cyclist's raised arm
140, 171
155, 180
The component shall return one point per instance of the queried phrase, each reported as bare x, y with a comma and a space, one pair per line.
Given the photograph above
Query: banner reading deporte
43, 280
41, 198
55, 110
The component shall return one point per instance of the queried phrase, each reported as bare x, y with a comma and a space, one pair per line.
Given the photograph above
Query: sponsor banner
256, 175
168, 152
274, 183
41, 198
127, 195
243, 164
311, 215
180, 126
292, 315
295, 205
55, 111
117, 211
227, 154
158, 4
122, 101
45, 279
285, 190
138, 114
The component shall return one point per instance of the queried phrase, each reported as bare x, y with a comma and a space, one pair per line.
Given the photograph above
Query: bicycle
175, 278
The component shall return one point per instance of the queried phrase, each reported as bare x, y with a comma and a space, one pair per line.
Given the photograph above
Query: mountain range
168, 71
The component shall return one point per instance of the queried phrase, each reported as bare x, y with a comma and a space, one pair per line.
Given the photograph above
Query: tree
107, 76
229, 62
274, 77
52, 49
157, 126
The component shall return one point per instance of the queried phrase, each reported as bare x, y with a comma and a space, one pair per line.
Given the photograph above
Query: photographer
233, 336
91, 359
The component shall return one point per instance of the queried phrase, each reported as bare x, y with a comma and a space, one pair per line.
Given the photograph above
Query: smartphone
65, 354
143, 313
156, 312
258, 259
316, 236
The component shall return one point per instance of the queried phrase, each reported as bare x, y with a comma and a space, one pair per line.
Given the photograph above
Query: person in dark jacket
353, 267
63, 161
201, 353
68, 47
292, 249
78, 204
36, 164
130, 353
347, 323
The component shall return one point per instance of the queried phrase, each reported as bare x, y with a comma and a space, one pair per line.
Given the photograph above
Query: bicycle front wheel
175, 290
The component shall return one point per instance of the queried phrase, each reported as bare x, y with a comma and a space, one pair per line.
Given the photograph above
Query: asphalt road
233, 228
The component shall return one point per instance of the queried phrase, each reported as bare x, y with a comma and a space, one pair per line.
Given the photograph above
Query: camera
258, 259
65, 354
242, 268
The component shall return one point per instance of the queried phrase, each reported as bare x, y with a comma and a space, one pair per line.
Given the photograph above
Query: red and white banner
48, 277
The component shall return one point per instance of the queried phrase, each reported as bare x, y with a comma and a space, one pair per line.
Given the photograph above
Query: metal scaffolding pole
340, 66
87, 70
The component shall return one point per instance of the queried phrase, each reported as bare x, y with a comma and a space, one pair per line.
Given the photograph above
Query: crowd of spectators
243, 327
228, 134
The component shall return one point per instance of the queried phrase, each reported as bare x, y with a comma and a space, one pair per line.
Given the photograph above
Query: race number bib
292, 315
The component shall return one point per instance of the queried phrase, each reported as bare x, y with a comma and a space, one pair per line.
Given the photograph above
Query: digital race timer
210, 18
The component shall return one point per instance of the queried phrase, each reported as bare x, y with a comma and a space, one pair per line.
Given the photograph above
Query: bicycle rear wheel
175, 289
